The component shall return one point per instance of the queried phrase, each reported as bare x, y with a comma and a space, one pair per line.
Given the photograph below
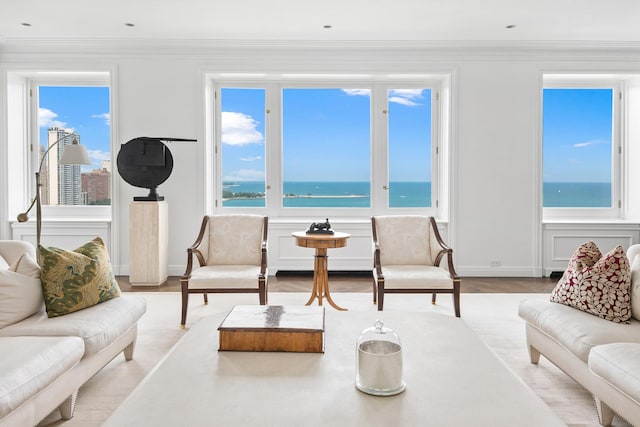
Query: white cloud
105, 116
251, 159
46, 119
402, 101
99, 155
239, 129
590, 143
357, 92
245, 175
408, 97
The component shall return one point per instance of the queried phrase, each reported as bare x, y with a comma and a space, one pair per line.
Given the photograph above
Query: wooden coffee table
452, 377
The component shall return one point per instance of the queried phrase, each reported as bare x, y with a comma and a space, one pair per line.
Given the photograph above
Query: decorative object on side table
379, 361
320, 228
273, 328
73, 154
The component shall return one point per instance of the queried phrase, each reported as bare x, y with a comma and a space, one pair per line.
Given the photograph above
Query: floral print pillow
73, 280
597, 284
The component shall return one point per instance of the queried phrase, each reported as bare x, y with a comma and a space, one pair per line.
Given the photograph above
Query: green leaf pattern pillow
73, 280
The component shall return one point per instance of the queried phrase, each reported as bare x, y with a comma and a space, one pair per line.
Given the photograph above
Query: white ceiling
303, 20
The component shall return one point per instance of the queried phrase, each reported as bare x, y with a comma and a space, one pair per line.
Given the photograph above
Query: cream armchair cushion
416, 277
406, 240
235, 240
224, 276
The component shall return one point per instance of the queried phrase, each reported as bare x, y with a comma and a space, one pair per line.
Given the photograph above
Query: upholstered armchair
231, 252
408, 252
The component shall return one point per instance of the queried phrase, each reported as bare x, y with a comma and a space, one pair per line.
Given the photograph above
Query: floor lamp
73, 154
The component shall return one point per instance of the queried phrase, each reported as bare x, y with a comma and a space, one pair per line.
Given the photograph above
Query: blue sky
577, 129
83, 110
326, 134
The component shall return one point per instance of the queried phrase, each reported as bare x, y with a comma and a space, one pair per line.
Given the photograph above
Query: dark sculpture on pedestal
146, 162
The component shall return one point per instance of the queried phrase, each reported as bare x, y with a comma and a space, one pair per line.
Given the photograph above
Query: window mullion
379, 148
273, 149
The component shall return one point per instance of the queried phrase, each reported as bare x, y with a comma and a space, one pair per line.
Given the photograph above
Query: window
242, 123
68, 113
581, 160
409, 138
327, 148
45, 107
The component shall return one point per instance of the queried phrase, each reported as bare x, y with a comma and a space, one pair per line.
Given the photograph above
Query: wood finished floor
361, 282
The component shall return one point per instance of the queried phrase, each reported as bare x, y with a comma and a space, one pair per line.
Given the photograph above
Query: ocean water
405, 194
576, 195
333, 194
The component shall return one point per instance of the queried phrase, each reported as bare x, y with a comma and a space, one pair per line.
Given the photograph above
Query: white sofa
46, 360
602, 356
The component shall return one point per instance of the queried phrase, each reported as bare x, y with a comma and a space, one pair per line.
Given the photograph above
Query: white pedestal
148, 243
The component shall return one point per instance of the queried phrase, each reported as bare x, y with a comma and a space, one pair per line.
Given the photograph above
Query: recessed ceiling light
25, 24
510, 26
327, 26
129, 24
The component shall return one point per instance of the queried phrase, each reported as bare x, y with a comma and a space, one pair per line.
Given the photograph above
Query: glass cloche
379, 361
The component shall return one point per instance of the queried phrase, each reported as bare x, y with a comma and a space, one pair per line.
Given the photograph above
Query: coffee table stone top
452, 379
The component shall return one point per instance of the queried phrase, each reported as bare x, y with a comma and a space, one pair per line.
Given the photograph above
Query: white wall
495, 214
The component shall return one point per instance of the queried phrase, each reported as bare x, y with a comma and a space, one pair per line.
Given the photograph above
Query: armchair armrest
376, 248
263, 249
445, 250
194, 249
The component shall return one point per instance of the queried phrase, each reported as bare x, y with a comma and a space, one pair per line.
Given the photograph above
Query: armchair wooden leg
433, 298
206, 299
456, 297
185, 304
380, 297
262, 292
374, 291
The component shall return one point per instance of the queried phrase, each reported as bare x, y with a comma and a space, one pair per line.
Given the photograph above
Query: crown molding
444, 48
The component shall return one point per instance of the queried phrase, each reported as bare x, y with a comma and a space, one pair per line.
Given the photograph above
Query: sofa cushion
73, 280
3, 263
27, 266
633, 254
98, 326
20, 297
597, 285
619, 365
576, 330
29, 364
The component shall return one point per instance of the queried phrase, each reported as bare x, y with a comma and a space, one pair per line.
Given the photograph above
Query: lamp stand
38, 213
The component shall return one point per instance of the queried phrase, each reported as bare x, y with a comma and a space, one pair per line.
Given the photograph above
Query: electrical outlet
494, 263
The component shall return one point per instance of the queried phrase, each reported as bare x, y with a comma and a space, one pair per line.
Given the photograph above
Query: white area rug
492, 316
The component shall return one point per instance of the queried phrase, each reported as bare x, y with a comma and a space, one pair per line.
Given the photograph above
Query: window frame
379, 174
66, 79
572, 81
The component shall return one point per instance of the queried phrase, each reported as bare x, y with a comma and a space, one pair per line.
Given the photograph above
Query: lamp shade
75, 154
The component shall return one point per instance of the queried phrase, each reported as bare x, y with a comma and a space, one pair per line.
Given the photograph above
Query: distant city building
106, 165
96, 186
63, 186
44, 179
